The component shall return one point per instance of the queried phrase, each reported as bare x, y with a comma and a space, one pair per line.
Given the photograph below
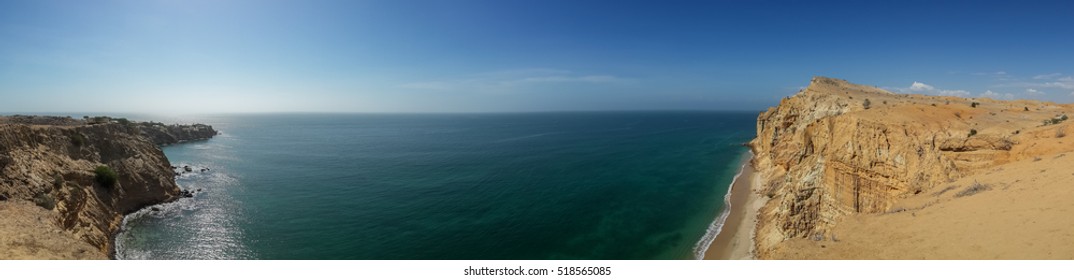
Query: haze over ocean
612, 185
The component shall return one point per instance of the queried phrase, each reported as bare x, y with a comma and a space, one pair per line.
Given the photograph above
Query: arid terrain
857, 172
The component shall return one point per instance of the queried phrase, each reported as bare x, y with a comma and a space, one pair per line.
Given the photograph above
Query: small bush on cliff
866, 103
78, 140
972, 133
106, 176
57, 181
45, 201
974, 104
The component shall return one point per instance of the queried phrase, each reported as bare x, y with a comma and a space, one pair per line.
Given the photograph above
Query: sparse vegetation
1056, 120
45, 201
974, 104
106, 176
78, 140
57, 181
1025, 109
866, 103
973, 189
972, 133
1060, 132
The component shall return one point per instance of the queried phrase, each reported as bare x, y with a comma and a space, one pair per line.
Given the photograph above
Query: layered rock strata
836, 149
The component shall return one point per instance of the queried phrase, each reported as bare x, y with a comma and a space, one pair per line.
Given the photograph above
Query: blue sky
503, 56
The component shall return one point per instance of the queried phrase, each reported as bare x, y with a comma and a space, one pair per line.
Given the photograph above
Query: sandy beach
735, 241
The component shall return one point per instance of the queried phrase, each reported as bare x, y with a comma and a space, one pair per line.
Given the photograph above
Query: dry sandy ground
1024, 211
1018, 150
30, 232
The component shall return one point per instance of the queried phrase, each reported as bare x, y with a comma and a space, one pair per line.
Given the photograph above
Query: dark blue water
626, 185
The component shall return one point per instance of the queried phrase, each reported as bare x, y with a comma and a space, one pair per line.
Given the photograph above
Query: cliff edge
66, 184
859, 172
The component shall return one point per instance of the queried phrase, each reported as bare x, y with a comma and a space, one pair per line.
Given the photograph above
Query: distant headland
66, 183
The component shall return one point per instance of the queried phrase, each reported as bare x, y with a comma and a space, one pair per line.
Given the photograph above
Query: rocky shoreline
86, 174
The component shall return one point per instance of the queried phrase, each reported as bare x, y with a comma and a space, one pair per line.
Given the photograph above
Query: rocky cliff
837, 149
159, 133
85, 177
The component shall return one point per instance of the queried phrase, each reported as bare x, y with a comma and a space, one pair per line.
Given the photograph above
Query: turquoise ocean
601, 185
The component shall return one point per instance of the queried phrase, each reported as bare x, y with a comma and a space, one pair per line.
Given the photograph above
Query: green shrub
78, 139
866, 103
974, 104
57, 181
45, 201
972, 133
106, 176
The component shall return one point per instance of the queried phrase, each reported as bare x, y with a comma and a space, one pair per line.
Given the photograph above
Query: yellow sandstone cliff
859, 172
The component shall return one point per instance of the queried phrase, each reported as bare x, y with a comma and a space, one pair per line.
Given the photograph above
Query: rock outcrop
836, 149
162, 134
53, 163
159, 133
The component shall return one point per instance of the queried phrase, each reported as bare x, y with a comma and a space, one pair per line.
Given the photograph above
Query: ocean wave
717, 225
526, 137
158, 211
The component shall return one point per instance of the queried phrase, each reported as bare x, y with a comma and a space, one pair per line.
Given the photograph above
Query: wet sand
735, 241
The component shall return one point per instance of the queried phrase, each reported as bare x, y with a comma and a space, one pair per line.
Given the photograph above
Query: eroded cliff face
53, 167
837, 148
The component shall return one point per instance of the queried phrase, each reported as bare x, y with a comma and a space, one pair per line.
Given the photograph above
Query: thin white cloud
1047, 76
1059, 84
505, 81
997, 95
997, 73
919, 87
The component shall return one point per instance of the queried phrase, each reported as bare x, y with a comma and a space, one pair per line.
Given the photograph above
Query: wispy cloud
997, 73
923, 88
996, 95
508, 80
1043, 81
1047, 76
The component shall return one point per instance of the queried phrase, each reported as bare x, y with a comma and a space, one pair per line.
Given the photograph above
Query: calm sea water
627, 185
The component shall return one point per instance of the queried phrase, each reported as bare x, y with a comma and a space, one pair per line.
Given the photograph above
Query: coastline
735, 239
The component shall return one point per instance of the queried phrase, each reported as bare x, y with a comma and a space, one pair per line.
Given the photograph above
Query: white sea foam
153, 211
717, 225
